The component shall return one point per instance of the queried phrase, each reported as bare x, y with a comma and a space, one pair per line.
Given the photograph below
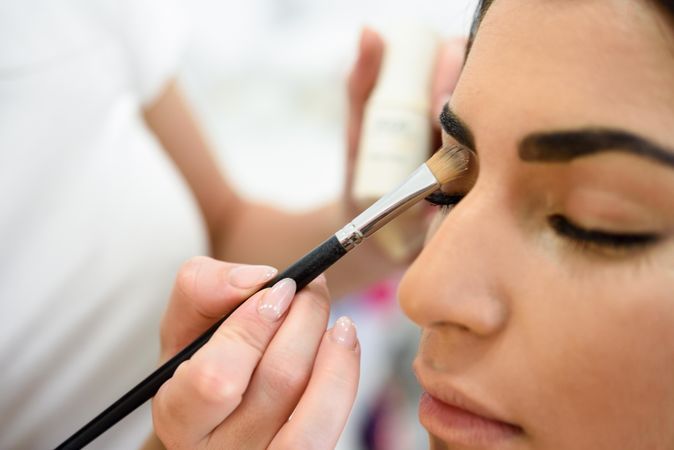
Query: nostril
455, 326
463, 328
476, 314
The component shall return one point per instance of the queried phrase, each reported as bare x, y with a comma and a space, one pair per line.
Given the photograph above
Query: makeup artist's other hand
363, 78
271, 358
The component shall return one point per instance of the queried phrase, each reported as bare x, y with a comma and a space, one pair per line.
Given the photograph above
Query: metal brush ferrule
417, 186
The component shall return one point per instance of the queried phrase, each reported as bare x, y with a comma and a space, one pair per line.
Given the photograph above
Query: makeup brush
444, 166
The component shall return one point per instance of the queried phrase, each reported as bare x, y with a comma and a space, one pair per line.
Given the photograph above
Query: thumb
361, 81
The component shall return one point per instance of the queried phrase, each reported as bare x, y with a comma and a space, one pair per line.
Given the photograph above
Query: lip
457, 419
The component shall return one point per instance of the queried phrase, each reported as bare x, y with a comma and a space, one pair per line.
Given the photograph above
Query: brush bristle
449, 163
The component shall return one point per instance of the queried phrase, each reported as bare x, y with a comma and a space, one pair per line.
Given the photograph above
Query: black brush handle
303, 272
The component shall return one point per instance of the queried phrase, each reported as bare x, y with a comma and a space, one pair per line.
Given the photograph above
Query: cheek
600, 355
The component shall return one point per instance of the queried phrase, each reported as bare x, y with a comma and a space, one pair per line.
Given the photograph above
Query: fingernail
344, 332
275, 302
246, 277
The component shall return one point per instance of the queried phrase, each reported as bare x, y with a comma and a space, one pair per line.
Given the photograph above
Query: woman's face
546, 297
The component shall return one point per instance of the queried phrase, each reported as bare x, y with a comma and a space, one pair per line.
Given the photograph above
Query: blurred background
267, 81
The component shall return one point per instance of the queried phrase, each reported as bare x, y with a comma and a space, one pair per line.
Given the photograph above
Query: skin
572, 342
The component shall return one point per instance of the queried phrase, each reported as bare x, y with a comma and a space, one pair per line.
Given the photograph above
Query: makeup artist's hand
363, 78
271, 358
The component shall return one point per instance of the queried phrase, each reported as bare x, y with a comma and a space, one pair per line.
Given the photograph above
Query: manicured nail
246, 277
344, 332
275, 301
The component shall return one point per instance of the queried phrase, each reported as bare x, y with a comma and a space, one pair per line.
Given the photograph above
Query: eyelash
444, 201
600, 239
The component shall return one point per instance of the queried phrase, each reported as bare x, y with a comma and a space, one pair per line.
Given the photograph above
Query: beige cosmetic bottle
396, 133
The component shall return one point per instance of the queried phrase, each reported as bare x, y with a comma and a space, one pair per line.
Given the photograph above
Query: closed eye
598, 238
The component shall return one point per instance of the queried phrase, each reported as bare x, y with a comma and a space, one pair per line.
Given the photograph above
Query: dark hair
480, 11
668, 5
483, 5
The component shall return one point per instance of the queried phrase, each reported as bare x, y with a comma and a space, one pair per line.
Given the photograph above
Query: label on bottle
395, 141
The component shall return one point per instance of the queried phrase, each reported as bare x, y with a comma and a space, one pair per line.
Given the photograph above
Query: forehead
570, 63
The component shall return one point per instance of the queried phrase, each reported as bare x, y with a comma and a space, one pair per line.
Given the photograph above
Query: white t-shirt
94, 218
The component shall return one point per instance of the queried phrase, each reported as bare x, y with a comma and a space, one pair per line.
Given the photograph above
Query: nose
457, 279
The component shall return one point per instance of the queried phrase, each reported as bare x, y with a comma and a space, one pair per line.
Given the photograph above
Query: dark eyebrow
454, 127
564, 146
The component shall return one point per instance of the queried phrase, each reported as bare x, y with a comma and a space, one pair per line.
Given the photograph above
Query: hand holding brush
444, 166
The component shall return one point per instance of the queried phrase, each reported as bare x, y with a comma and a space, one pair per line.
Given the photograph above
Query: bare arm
248, 232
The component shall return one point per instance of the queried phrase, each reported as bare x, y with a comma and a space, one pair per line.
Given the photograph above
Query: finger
206, 389
283, 373
361, 81
206, 289
324, 407
365, 70
448, 67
